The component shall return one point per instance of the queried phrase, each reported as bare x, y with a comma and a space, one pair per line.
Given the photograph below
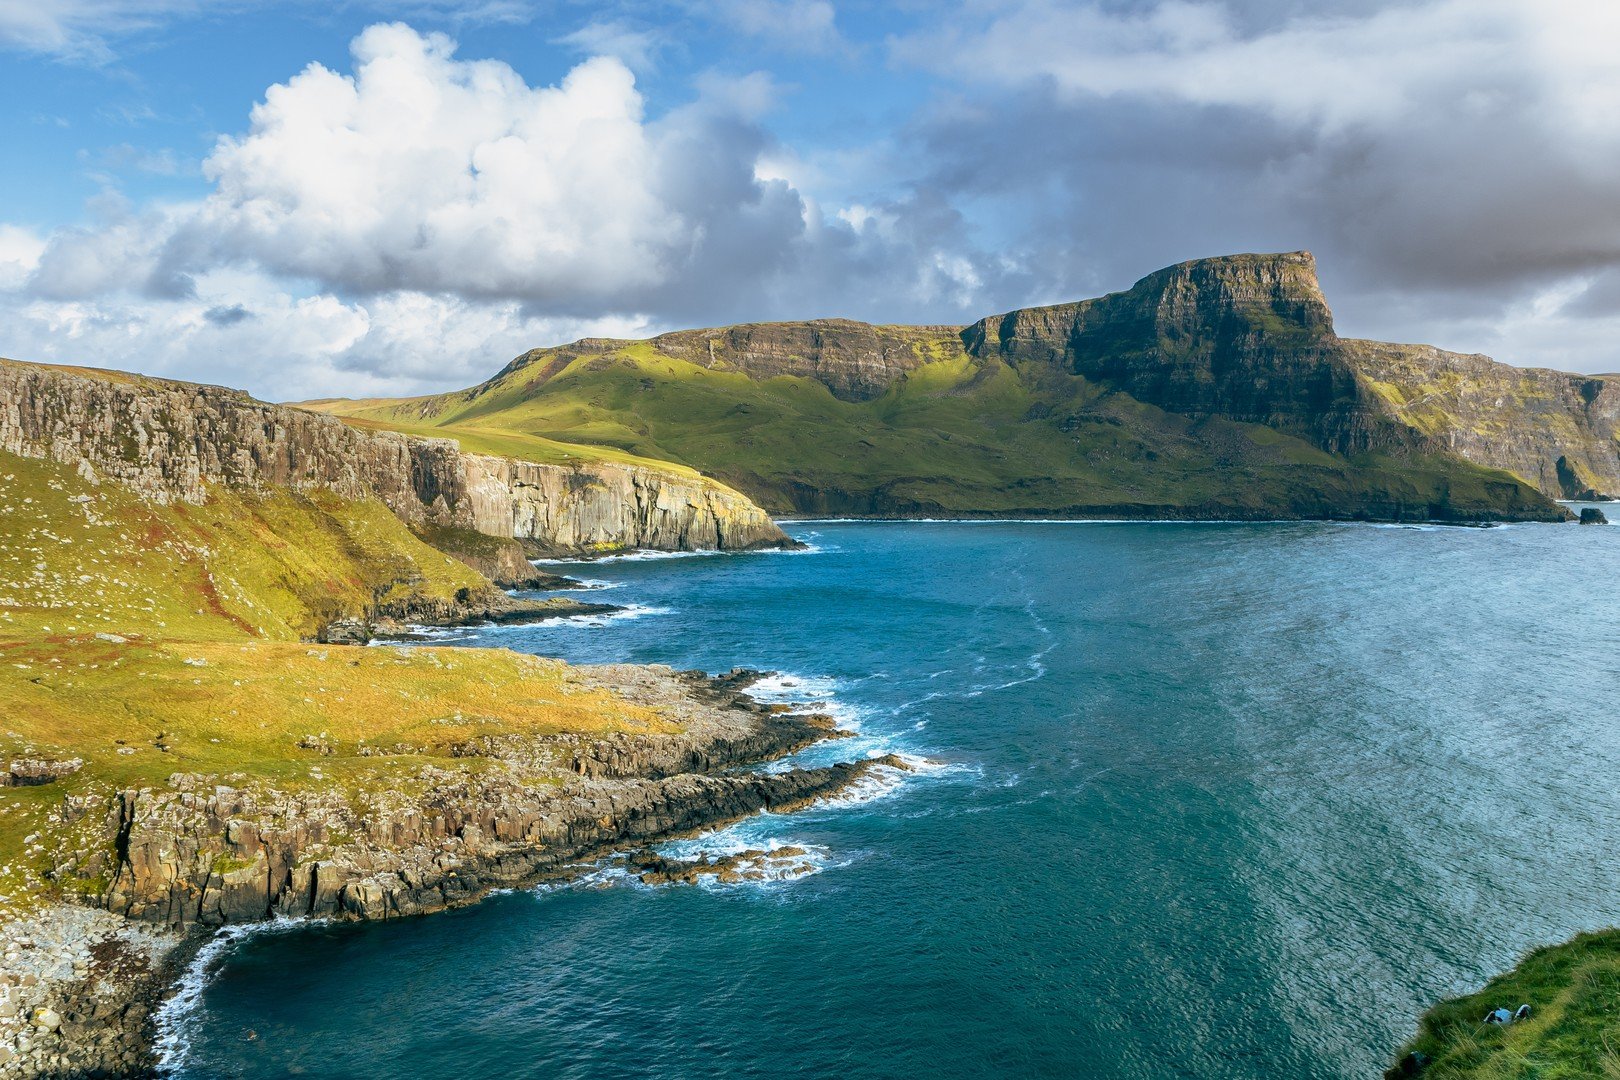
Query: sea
1212, 800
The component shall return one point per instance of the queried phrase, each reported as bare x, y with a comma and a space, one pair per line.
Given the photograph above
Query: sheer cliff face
1250, 338
171, 441
1246, 337
857, 362
1557, 430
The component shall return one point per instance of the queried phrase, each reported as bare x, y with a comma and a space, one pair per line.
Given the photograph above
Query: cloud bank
429, 199
411, 221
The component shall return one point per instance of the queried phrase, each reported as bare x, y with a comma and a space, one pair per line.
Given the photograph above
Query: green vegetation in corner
1572, 1033
957, 435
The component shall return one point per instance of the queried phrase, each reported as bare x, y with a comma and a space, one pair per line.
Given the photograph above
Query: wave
628, 613
883, 781
451, 634
786, 688
650, 555
172, 1043
585, 584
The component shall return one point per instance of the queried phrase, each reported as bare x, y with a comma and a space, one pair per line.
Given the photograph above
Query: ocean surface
1200, 800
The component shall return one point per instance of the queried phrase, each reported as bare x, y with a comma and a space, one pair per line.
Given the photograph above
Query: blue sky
309, 199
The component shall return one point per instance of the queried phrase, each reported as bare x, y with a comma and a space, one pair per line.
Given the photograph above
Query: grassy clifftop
145, 640
77, 557
1573, 1032
953, 434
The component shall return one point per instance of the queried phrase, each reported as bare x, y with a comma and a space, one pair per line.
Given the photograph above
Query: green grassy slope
149, 640
1573, 1031
956, 435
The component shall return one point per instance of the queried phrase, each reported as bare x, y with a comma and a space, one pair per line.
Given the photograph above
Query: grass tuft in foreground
1573, 991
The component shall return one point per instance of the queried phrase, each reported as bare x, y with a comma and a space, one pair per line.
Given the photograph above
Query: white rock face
173, 441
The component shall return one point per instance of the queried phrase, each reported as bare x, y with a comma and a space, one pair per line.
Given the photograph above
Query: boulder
345, 631
1591, 515
31, 772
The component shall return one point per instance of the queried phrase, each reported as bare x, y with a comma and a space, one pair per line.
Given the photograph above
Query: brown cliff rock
1243, 337
1557, 430
855, 360
200, 853
171, 441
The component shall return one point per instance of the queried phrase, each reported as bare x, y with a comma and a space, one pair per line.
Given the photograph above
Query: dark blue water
1211, 801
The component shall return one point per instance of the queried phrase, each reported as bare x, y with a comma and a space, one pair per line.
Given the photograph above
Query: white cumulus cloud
422, 171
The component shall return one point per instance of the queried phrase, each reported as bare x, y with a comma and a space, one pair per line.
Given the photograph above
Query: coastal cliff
1559, 431
855, 360
203, 851
1216, 388
171, 442
1248, 338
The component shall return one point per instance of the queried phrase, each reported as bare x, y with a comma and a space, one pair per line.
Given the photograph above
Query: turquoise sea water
1208, 800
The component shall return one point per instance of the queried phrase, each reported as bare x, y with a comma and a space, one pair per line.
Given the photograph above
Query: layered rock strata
1245, 337
1557, 430
171, 441
1250, 338
198, 854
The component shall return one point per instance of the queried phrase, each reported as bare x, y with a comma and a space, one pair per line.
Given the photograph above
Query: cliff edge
172, 441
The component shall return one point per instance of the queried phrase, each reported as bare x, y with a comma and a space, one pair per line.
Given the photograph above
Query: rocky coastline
172, 442
82, 984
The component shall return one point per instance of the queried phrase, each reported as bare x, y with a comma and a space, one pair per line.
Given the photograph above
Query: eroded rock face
855, 360
1250, 338
202, 853
1557, 430
1244, 337
171, 441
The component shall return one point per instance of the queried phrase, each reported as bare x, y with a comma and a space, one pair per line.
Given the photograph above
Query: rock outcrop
1244, 337
855, 360
80, 986
1250, 338
1554, 429
199, 853
171, 441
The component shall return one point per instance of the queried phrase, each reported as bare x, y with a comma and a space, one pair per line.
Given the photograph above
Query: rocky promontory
1214, 388
172, 441
203, 852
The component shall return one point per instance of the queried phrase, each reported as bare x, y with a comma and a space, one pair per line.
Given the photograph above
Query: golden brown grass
152, 640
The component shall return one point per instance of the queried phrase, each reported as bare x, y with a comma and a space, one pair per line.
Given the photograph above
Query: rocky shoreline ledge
81, 984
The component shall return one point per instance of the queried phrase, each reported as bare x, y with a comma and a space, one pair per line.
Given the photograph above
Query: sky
339, 197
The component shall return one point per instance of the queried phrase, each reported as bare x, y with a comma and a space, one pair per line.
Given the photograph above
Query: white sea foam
647, 555
628, 613
172, 1020
784, 687
883, 781
591, 584
745, 836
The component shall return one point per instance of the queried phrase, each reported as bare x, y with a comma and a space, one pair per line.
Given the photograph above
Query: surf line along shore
83, 986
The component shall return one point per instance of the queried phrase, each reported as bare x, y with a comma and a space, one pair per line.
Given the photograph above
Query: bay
1199, 800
